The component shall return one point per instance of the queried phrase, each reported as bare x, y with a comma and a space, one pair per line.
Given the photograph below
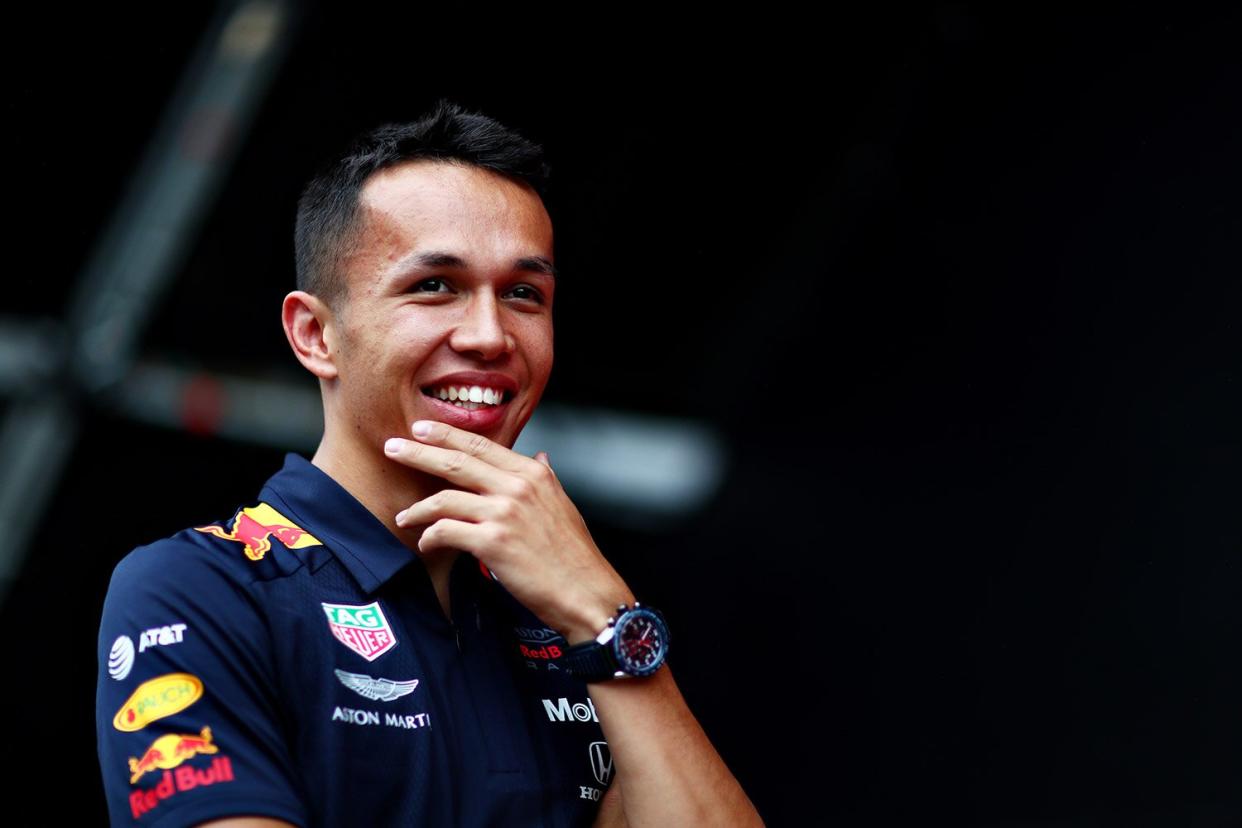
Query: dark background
959, 288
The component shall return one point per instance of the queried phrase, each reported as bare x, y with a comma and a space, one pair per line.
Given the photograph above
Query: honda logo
601, 762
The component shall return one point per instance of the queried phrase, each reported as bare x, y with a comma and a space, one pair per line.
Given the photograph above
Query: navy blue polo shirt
293, 662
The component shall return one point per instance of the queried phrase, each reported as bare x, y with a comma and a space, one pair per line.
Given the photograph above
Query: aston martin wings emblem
378, 689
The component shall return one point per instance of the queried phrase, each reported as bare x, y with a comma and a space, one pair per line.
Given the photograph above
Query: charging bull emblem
170, 750
255, 526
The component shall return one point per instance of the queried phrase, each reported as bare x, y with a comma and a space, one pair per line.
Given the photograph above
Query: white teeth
470, 397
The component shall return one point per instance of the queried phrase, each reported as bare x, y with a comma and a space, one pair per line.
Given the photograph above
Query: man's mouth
469, 397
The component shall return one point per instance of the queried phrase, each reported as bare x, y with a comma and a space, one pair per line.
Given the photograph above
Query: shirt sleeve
188, 714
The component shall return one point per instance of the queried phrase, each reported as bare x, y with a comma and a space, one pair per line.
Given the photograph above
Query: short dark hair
328, 210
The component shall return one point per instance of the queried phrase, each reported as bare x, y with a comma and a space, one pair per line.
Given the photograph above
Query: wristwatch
633, 644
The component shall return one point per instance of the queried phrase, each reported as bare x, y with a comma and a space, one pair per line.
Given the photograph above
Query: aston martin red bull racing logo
255, 526
169, 751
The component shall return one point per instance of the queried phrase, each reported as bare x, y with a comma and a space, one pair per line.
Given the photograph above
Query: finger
543, 458
448, 503
452, 534
476, 445
450, 464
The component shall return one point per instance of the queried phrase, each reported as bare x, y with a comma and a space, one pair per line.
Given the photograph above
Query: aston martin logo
377, 689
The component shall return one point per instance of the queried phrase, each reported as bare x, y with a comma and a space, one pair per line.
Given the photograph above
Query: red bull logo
169, 751
182, 779
549, 651
255, 526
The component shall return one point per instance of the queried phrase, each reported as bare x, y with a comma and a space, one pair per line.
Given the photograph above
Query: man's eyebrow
538, 264
437, 258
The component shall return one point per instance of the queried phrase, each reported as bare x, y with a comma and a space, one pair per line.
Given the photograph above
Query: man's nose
482, 330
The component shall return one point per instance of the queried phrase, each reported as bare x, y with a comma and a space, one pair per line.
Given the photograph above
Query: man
407, 629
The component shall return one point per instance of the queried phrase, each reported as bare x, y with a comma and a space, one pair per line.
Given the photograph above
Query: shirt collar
364, 546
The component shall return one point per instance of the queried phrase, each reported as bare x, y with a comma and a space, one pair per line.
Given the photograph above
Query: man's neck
385, 488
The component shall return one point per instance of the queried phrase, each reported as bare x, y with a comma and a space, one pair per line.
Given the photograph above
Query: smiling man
415, 627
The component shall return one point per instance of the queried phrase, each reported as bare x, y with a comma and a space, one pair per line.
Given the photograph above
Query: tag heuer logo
362, 629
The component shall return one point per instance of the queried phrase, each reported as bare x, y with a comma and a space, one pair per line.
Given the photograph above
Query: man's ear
310, 329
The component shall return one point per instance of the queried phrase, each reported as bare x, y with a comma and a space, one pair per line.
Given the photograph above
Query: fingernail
400, 515
421, 428
393, 445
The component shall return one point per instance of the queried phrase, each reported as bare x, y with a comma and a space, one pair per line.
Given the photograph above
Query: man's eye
430, 286
526, 292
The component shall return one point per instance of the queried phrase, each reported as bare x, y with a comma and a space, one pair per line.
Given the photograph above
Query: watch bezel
624, 665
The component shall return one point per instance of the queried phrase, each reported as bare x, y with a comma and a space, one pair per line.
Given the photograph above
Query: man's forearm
671, 772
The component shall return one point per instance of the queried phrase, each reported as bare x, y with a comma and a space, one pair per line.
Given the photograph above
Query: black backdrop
960, 289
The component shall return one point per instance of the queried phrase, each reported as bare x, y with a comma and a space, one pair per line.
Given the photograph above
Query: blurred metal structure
136, 258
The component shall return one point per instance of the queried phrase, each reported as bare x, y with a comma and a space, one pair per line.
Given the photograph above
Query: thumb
542, 457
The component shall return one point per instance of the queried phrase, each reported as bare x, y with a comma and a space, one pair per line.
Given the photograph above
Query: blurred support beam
137, 256
36, 438
277, 413
174, 186
31, 354
640, 471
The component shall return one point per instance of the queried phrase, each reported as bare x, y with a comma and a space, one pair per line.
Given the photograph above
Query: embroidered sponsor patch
545, 653
601, 762
255, 526
540, 647
159, 697
186, 778
363, 629
169, 751
368, 718
562, 710
161, 636
376, 689
121, 657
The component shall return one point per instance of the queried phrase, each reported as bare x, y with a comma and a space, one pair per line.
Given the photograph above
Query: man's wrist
594, 617
633, 644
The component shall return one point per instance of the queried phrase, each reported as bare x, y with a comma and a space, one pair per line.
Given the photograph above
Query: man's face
448, 307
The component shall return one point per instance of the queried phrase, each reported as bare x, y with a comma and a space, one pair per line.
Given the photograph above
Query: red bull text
182, 779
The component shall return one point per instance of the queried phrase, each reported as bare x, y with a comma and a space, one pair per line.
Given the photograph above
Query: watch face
641, 642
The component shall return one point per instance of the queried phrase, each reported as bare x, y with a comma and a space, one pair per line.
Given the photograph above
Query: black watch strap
589, 661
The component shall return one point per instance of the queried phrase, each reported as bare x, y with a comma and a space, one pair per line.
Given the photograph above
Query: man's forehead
453, 199
424, 178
